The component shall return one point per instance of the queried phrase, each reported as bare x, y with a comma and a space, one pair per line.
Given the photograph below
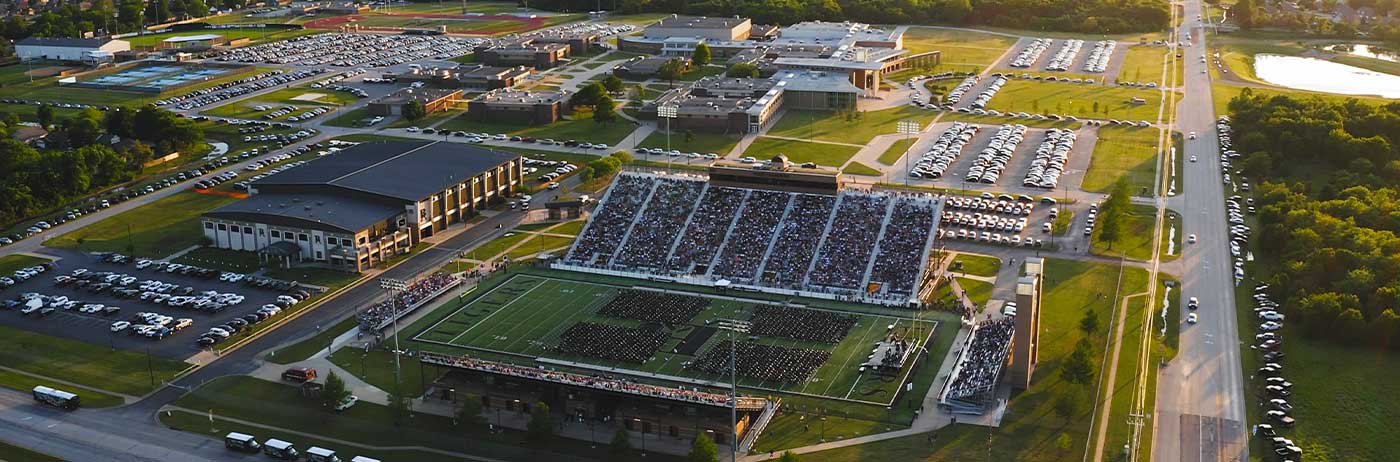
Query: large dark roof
66, 42
325, 212
406, 170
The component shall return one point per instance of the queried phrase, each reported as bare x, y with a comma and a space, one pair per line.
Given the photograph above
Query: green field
246, 110
539, 244
998, 120
978, 265
958, 46
10, 263
857, 168
896, 151
1123, 152
84, 363
1069, 99
1144, 64
829, 155
90, 399
153, 230
9, 453
699, 142
327, 96
350, 119
524, 315
581, 128
853, 128
1028, 433
1136, 240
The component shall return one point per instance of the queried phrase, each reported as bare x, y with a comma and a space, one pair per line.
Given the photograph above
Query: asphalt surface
1201, 408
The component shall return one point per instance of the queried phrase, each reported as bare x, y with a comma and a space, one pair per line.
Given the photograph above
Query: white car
120, 326
1191, 135
1191, 239
1193, 158
347, 403
412, 129
1191, 318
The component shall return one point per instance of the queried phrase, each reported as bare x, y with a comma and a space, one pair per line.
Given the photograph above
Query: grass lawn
581, 128
896, 151
1123, 152
352, 119
1173, 238
256, 34
199, 423
1077, 100
573, 227
1126, 381
280, 405
857, 168
1222, 93
25, 383
10, 263
538, 244
86, 364
11, 453
1342, 399
156, 229
222, 259
427, 121
302, 350
328, 97
1028, 434
699, 142
377, 369
977, 291
998, 120
1136, 240
829, 155
328, 278
1063, 222
1144, 64
831, 126
978, 265
494, 247
958, 46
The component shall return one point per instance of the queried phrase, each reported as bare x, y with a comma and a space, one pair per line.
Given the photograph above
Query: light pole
907, 128
668, 112
393, 286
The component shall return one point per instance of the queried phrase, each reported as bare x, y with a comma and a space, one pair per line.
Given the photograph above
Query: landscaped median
1124, 152
97, 367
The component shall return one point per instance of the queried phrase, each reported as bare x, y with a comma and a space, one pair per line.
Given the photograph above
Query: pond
1365, 51
1324, 76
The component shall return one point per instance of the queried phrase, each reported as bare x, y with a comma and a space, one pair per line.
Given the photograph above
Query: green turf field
523, 317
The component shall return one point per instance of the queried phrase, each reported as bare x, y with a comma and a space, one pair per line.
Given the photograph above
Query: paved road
1200, 415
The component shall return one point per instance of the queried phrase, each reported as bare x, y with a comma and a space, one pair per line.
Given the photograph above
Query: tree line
108, 17
1093, 16
1329, 210
79, 158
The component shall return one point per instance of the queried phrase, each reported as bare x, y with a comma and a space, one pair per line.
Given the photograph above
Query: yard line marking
462, 308
875, 322
493, 314
567, 302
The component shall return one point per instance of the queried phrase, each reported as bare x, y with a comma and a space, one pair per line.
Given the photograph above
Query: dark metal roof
65, 42
326, 212
405, 170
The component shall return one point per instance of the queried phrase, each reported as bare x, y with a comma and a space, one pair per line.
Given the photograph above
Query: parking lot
1014, 173
353, 50
97, 328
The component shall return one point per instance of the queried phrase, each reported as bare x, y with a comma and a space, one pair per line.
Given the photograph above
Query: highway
1200, 413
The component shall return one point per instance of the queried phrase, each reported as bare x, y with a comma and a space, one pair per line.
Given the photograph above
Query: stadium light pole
668, 112
733, 402
907, 128
394, 286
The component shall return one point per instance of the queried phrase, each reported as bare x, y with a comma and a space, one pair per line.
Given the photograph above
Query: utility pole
733, 402
393, 286
668, 112
907, 128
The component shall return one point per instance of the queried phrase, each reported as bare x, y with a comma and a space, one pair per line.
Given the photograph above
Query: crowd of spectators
382, 313
980, 364
769, 363
801, 323
599, 382
797, 241
749, 241
851, 240
605, 229
708, 225
646, 305
902, 247
607, 341
651, 237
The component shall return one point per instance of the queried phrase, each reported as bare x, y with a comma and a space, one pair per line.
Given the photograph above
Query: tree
1063, 443
689, 136
541, 426
334, 392
621, 443
624, 157
1070, 403
703, 449
671, 70
613, 84
44, 115
414, 110
588, 95
84, 128
740, 70
1113, 212
1090, 322
1243, 13
469, 413
1079, 367
701, 56
603, 111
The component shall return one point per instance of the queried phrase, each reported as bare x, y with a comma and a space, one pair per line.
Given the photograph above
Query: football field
525, 316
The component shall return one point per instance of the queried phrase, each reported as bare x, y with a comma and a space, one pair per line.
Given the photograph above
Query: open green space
302, 350
308, 95
958, 46
376, 367
1127, 381
1063, 222
1144, 63
1124, 152
847, 127
581, 127
25, 383
828, 155
94, 366
978, 291
699, 142
355, 118
1136, 236
1070, 99
1030, 433
222, 259
428, 121
977, 265
280, 405
10, 263
246, 110
154, 230
572, 228
256, 34
1167, 329
998, 120
493, 248
10, 453
857, 168
538, 244
1172, 237
896, 151
200, 424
